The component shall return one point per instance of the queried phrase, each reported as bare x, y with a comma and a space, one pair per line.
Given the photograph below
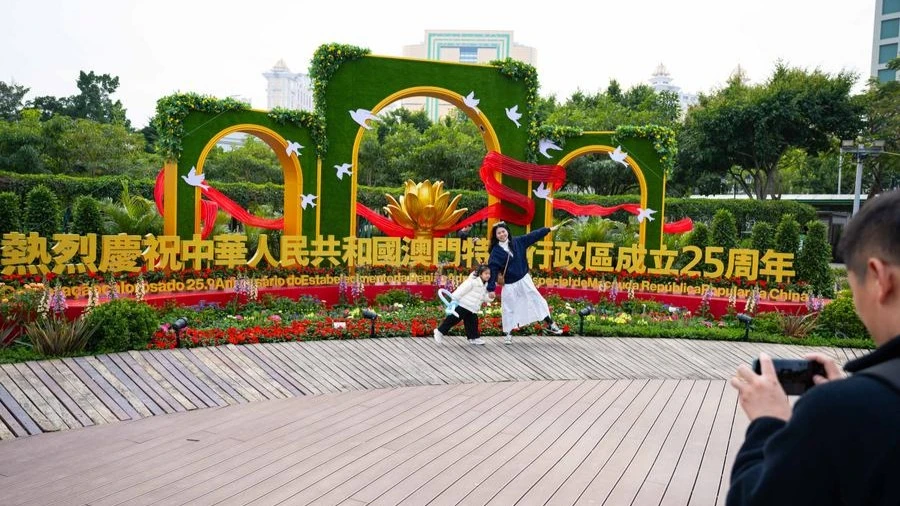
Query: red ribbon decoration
210, 209
493, 163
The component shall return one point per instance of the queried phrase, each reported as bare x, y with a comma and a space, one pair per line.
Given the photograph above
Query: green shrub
41, 212
391, 297
122, 324
812, 263
9, 213
797, 325
700, 236
87, 218
761, 238
724, 230
787, 236
53, 337
839, 319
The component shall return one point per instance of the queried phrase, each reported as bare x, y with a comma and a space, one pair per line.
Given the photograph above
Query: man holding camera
841, 442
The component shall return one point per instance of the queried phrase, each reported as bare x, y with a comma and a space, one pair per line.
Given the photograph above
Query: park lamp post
861, 151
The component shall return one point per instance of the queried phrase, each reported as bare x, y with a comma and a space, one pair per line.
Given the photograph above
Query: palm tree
132, 214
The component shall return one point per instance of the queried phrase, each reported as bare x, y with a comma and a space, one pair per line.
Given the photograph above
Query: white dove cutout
619, 156
342, 169
513, 114
546, 144
195, 179
361, 115
293, 147
470, 100
307, 200
543, 192
645, 213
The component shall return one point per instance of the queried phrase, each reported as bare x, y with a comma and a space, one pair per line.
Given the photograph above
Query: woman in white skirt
521, 303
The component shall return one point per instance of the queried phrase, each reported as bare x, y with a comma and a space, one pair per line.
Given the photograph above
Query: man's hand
761, 394
492, 296
832, 369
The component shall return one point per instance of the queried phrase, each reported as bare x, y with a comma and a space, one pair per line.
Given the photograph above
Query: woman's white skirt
522, 304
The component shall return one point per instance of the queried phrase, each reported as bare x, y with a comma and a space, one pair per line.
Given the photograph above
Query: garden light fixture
370, 315
178, 325
747, 320
585, 311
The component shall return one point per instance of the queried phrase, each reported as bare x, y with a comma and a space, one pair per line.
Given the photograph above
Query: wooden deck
566, 420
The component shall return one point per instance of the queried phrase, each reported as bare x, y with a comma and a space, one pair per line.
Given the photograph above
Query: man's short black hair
873, 232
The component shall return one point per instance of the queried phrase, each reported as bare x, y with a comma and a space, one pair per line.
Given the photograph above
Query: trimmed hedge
746, 212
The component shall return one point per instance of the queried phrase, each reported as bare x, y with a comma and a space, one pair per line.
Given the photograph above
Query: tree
881, 104
84, 147
93, 100
86, 217
22, 143
724, 230
787, 235
761, 238
252, 162
9, 212
639, 105
743, 131
11, 96
42, 211
813, 260
50, 106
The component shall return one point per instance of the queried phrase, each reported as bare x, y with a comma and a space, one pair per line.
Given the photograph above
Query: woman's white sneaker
479, 341
438, 337
507, 339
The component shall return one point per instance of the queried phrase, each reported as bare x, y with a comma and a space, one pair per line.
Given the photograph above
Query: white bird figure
361, 115
342, 169
546, 144
543, 192
513, 114
619, 156
307, 200
470, 100
645, 213
293, 147
195, 179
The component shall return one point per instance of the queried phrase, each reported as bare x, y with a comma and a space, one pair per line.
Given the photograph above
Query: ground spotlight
747, 320
370, 315
178, 325
585, 311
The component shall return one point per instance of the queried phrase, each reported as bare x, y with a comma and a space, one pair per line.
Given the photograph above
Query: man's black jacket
841, 445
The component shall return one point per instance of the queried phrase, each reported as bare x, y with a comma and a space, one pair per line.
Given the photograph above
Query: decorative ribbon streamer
493, 163
210, 209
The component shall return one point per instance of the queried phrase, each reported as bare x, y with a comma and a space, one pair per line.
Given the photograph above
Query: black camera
795, 375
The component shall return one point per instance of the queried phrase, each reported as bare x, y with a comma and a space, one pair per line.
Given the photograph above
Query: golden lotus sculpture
425, 208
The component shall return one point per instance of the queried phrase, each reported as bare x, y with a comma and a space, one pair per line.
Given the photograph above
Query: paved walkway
545, 421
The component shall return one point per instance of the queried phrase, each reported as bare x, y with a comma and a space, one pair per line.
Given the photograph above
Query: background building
463, 46
288, 89
661, 80
886, 38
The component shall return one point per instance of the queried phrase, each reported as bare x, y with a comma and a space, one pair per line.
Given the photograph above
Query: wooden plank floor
567, 420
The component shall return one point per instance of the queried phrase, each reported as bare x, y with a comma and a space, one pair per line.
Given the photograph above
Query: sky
222, 47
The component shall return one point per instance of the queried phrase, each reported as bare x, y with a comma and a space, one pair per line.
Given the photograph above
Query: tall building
463, 46
661, 80
288, 89
886, 39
